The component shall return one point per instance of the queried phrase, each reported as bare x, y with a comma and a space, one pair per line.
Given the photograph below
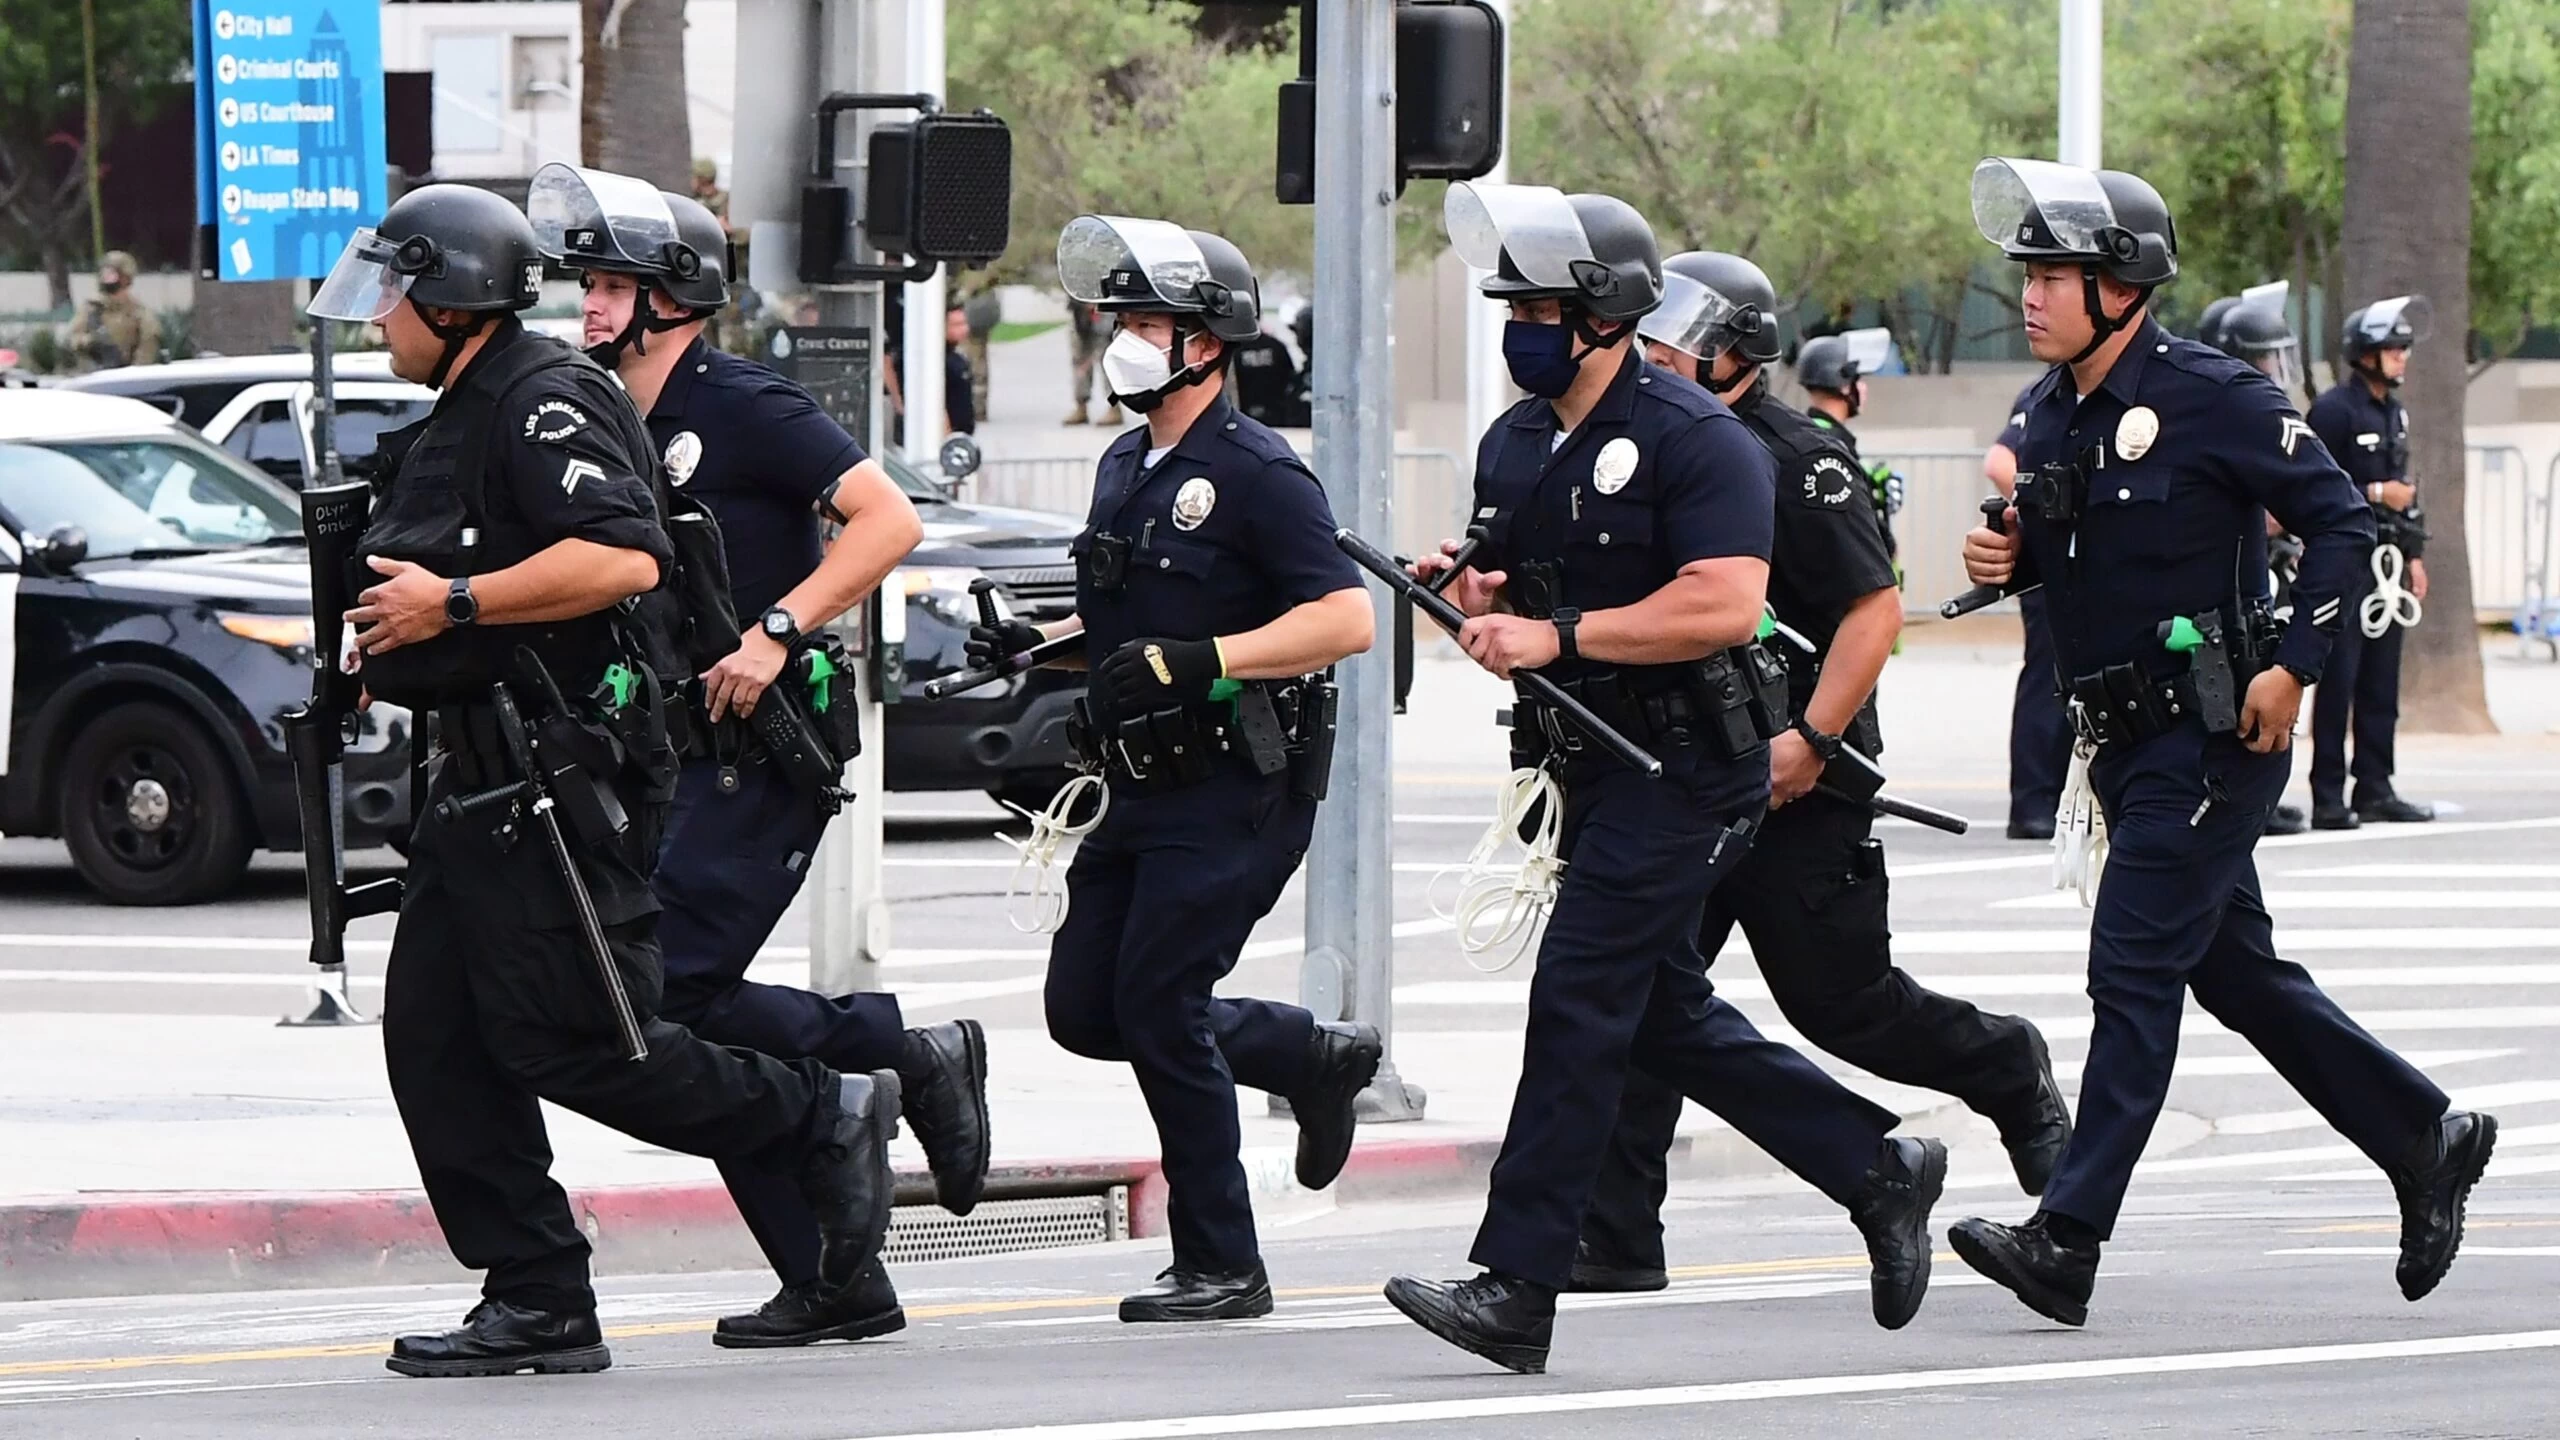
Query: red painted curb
285, 1238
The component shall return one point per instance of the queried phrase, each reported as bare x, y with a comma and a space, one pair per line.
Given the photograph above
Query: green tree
1130, 109
143, 48
2515, 171
1828, 140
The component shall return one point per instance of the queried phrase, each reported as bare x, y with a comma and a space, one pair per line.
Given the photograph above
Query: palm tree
2408, 231
631, 96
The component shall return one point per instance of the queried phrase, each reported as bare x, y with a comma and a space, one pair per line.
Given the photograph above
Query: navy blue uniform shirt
1229, 531
760, 453
1658, 476
2368, 437
2014, 434
2181, 445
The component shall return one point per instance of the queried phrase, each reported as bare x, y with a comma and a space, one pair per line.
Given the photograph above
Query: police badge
1193, 502
684, 453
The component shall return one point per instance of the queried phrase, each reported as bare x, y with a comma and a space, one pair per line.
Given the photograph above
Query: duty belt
1263, 729
1727, 705
2124, 706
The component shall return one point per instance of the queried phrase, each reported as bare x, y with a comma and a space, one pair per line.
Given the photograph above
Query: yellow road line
955, 1310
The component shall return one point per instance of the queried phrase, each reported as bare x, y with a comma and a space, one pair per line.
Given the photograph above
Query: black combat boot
2287, 820
1597, 1274
1184, 1293
1507, 1320
2390, 809
497, 1338
1891, 1209
2333, 817
2433, 1185
809, 1312
2051, 1273
946, 1102
1345, 1061
846, 1177
2037, 1134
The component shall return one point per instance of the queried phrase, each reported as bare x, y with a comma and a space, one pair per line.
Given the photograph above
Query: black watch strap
1568, 646
461, 607
1825, 747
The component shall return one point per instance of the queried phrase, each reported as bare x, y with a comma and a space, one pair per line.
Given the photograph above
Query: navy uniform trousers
2359, 690
1811, 898
1160, 899
728, 870
2039, 731
483, 1013
2178, 909
1620, 983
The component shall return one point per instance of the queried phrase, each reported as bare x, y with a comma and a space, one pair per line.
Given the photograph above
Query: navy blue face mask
1541, 357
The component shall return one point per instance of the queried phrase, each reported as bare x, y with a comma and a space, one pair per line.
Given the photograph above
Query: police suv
155, 602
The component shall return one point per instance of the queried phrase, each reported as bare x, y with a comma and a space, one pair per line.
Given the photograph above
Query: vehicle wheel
1032, 789
150, 809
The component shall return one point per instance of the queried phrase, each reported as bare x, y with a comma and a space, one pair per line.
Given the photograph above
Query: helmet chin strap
645, 321
454, 338
2370, 367
2102, 328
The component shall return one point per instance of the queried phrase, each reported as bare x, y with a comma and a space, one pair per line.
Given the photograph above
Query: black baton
1448, 617
1995, 513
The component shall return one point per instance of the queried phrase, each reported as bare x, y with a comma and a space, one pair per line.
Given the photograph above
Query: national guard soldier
2362, 422
520, 518
1213, 603
758, 453
1628, 537
1833, 370
115, 329
2039, 734
2142, 472
1810, 895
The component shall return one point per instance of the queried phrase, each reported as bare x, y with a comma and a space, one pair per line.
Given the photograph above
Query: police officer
2142, 472
2253, 330
115, 329
521, 516
1810, 895
2361, 420
1629, 541
1208, 588
1833, 373
755, 450
2039, 734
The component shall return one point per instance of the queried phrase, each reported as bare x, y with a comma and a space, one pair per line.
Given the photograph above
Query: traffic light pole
1349, 971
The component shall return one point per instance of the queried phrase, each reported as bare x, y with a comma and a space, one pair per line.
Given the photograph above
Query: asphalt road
2238, 1304
2249, 1291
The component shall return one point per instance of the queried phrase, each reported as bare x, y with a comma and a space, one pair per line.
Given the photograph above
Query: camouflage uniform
115, 328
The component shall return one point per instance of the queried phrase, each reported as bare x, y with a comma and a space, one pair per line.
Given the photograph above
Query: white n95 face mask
1140, 372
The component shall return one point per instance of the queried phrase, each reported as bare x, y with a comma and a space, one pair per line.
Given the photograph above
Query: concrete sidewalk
172, 1152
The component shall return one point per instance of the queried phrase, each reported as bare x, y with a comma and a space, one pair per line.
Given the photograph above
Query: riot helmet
2251, 327
595, 220
1836, 363
442, 247
2394, 324
2107, 222
1593, 252
1713, 303
1121, 265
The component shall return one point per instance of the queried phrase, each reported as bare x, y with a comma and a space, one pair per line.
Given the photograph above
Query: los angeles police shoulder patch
1828, 483
554, 421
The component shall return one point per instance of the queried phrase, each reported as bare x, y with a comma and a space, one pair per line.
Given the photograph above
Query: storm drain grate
995, 1227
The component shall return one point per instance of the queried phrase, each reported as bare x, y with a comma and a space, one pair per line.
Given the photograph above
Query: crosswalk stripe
2331, 900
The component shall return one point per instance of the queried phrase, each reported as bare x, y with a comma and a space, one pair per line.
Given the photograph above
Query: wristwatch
1565, 618
779, 627
1826, 748
460, 606
2301, 679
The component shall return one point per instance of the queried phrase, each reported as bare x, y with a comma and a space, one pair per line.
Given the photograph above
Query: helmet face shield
2396, 323
365, 285
2035, 208
1691, 319
1869, 349
1130, 264
1533, 225
594, 217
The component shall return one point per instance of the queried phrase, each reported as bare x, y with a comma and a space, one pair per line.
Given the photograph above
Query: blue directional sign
289, 152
